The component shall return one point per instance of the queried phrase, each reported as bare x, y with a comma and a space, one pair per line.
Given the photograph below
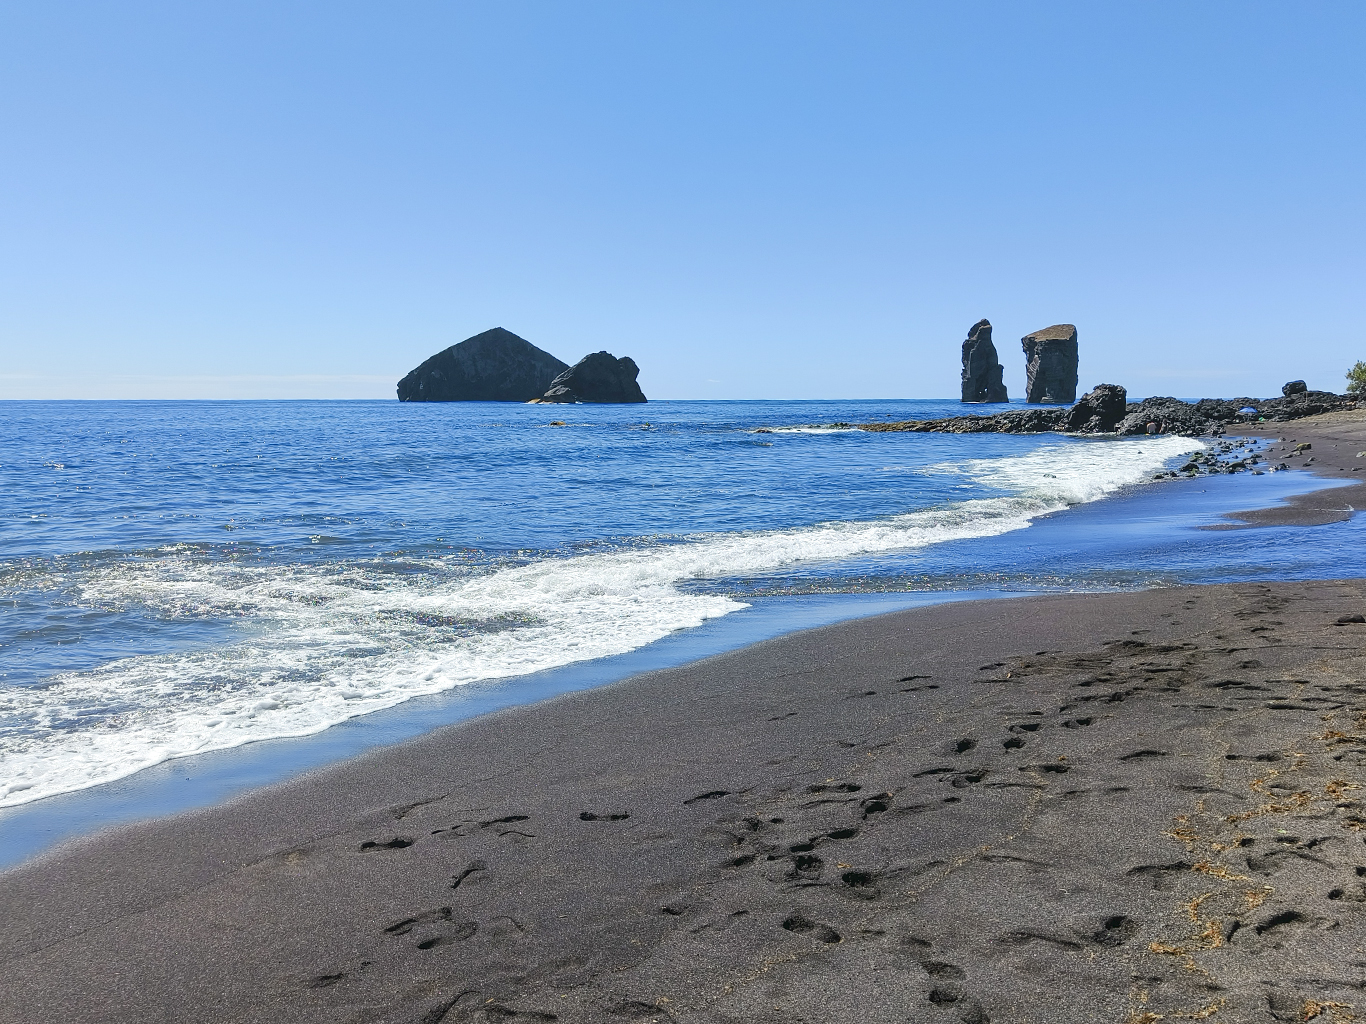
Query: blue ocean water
186, 577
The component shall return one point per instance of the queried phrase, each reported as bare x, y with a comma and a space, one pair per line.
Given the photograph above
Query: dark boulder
982, 374
600, 377
1098, 411
1051, 365
496, 366
1294, 387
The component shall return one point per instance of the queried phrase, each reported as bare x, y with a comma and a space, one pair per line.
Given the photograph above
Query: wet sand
1101, 807
1074, 808
1337, 452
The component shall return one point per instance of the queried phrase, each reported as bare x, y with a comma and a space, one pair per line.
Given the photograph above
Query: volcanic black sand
1336, 449
1118, 807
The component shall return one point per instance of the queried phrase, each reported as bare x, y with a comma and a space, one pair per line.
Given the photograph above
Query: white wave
1077, 472
326, 643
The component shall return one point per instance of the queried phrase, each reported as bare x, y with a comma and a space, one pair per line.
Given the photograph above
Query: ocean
182, 578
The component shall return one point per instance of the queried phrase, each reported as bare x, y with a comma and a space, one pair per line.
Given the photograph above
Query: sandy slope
1075, 808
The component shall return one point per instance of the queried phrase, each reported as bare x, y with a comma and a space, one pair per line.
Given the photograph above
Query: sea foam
320, 643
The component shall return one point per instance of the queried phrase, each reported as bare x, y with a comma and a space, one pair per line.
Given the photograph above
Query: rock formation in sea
496, 366
600, 377
1294, 387
981, 372
1097, 411
1051, 365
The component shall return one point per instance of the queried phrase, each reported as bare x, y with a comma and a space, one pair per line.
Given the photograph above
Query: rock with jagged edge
1051, 365
982, 374
600, 377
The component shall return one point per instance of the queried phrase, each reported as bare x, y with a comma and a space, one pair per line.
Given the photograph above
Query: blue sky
754, 200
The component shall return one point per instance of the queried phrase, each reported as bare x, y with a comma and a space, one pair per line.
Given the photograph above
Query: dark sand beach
1099, 807
1337, 451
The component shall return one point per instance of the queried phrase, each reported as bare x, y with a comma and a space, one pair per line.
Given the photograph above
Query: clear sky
753, 200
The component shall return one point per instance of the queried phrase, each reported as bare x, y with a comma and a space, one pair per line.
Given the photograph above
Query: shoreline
975, 811
1337, 438
190, 783
199, 780
890, 815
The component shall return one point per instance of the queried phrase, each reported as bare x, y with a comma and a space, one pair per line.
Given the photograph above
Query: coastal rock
1294, 387
1306, 403
1051, 365
1290, 407
496, 366
1098, 411
600, 377
1167, 415
1016, 421
982, 374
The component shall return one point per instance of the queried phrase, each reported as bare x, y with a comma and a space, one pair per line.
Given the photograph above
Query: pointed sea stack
496, 366
1051, 365
600, 377
982, 374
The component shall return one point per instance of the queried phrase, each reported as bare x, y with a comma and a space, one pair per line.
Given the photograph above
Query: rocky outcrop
496, 366
1212, 415
982, 374
1051, 365
1165, 416
1290, 407
600, 377
1103, 410
1016, 421
1294, 387
1098, 411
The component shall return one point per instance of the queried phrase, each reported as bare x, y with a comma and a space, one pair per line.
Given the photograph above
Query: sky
753, 200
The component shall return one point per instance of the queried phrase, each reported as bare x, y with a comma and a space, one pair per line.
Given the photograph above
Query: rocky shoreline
1103, 410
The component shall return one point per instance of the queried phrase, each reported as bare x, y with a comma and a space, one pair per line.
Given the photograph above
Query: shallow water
187, 577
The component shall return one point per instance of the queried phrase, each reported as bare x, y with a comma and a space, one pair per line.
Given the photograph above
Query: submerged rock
1098, 411
982, 374
600, 377
496, 366
1051, 365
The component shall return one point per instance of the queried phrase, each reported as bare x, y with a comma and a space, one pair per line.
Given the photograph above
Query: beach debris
1051, 365
982, 374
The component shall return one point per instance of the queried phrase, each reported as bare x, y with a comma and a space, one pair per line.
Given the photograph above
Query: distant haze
758, 200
